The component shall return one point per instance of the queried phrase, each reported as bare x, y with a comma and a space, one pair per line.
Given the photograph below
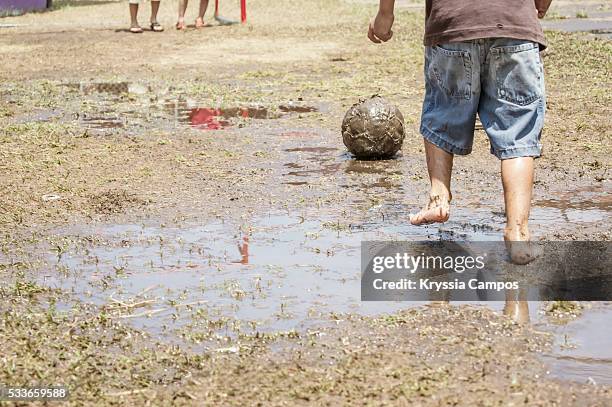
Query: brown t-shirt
463, 20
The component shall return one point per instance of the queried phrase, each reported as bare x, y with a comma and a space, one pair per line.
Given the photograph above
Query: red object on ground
243, 11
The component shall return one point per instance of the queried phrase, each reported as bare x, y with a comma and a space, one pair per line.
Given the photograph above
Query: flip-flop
157, 27
136, 30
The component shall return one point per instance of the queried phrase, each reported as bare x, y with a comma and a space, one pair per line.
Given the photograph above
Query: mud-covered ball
373, 129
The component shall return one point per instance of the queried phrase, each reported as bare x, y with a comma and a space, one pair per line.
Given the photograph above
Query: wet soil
205, 227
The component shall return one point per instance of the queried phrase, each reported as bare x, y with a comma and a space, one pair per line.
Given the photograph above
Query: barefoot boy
480, 58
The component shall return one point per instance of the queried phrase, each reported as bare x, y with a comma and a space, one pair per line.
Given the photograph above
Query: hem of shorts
517, 152
517, 33
438, 141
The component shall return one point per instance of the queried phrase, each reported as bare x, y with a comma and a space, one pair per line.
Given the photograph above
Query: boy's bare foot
519, 247
436, 211
180, 25
199, 23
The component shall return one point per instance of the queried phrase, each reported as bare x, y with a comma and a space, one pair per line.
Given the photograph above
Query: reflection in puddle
371, 167
206, 119
212, 118
585, 205
101, 123
292, 108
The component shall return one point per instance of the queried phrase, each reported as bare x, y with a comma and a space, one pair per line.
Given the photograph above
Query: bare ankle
517, 232
437, 198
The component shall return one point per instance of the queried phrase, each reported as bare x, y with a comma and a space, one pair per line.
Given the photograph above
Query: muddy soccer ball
373, 129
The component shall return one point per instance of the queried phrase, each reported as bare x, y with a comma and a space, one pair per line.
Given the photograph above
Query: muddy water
290, 270
277, 270
280, 272
583, 348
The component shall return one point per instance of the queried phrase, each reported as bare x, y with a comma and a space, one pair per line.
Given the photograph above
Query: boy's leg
200, 20
182, 7
512, 111
440, 167
517, 179
452, 88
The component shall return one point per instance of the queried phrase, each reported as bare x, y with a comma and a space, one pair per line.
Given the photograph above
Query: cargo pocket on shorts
518, 73
451, 70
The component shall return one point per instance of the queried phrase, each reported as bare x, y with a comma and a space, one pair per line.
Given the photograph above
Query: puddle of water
315, 150
299, 134
39, 116
283, 272
585, 205
582, 350
313, 161
317, 273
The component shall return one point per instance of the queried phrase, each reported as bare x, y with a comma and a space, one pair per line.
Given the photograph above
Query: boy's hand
542, 6
380, 28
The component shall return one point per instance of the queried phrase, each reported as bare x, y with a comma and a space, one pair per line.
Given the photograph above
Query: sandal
157, 27
136, 30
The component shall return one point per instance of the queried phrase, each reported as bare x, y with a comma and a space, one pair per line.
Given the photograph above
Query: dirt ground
97, 128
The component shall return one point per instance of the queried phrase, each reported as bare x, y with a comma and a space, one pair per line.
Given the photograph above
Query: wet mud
181, 240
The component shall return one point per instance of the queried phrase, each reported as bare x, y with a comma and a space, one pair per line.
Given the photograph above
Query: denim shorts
501, 79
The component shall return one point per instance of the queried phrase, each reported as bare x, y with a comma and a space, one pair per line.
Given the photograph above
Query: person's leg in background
155, 26
134, 26
199, 23
182, 7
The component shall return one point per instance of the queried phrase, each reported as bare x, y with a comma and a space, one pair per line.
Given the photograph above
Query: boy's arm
380, 27
542, 6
